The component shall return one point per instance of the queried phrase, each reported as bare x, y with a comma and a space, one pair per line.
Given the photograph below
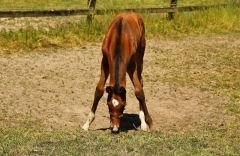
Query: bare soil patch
57, 87
43, 23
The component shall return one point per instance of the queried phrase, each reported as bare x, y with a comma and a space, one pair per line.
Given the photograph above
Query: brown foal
123, 50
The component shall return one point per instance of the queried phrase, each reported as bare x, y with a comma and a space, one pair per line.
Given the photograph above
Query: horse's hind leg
139, 58
98, 93
146, 120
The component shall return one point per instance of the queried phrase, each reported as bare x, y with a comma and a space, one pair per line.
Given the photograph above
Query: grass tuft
74, 142
213, 21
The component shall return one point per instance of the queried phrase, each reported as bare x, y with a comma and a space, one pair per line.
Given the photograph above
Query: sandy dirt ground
57, 86
44, 23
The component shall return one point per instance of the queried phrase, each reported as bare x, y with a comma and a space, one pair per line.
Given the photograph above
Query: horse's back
132, 31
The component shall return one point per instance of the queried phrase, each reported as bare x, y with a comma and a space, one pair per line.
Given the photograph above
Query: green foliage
41, 5
63, 4
31, 141
216, 20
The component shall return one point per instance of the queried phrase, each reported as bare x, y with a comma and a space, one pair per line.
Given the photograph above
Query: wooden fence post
173, 5
91, 6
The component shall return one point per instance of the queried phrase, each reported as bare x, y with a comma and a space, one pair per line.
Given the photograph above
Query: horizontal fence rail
69, 12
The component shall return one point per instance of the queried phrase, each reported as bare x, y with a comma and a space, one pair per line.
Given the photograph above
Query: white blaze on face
115, 102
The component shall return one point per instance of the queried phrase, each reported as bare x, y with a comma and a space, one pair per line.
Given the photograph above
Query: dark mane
118, 54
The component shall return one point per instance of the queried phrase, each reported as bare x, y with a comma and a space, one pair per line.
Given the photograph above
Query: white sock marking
90, 119
144, 125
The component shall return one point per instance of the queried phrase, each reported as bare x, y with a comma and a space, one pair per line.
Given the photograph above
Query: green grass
216, 20
63, 4
41, 5
31, 141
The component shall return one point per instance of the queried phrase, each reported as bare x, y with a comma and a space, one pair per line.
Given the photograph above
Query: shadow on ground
128, 122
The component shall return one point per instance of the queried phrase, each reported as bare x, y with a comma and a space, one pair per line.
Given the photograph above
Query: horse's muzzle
115, 122
115, 130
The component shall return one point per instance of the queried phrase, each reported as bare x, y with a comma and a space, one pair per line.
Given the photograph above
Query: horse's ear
109, 90
123, 93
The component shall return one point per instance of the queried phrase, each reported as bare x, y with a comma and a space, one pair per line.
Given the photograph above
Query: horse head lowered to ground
123, 50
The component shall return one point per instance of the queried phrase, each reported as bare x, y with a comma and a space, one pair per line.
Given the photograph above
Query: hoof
145, 128
90, 119
85, 127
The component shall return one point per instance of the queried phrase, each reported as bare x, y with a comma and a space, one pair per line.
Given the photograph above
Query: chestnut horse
123, 50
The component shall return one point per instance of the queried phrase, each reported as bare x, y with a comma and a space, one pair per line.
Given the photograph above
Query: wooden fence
91, 11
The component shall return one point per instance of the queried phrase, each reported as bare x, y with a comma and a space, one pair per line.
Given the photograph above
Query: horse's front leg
98, 93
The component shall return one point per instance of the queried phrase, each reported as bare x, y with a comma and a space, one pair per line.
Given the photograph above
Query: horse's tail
118, 54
